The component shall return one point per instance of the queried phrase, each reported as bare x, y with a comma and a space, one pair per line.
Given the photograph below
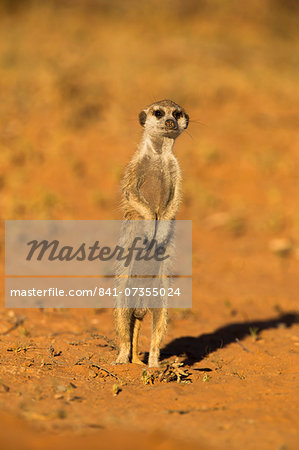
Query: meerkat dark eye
158, 113
177, 114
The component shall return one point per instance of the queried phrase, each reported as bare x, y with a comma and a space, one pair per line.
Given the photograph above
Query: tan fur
151, 190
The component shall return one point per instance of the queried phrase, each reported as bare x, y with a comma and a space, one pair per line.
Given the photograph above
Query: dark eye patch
158, 113
177, 114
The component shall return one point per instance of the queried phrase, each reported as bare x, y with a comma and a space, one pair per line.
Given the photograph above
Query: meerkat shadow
197, 348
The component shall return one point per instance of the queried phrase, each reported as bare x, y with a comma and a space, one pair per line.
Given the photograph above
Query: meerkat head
164, 119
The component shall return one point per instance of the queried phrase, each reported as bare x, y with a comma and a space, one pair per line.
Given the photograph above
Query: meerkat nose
171, 124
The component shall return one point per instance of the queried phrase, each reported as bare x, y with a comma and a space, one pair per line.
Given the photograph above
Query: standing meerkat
151, 191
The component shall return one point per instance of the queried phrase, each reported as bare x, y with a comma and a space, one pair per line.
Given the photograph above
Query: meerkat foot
124, 354
137, 360
153, 362
155, 365
121, 360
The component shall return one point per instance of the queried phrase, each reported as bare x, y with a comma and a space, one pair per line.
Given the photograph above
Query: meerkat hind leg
135, 357
159, 329
123, 319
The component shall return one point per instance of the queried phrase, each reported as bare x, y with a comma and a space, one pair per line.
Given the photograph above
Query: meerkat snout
171, 124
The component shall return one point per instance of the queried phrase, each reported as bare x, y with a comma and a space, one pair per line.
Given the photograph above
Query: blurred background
74, 75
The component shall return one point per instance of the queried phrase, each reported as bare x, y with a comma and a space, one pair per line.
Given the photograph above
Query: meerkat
151, 191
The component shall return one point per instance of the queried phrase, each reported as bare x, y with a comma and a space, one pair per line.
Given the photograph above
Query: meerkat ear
187, 120
142, 118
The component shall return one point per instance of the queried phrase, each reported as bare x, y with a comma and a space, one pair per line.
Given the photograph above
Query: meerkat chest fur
158, 177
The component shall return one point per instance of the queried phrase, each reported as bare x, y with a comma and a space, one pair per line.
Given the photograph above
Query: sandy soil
241, 357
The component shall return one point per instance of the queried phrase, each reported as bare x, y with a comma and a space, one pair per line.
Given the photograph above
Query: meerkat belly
156, 189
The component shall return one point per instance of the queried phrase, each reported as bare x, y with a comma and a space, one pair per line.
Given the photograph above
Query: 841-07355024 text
141, 292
